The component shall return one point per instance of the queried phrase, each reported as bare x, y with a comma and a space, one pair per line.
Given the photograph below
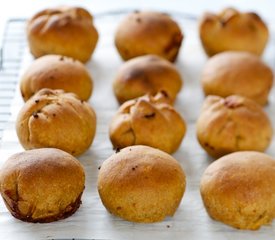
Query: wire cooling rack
13, 45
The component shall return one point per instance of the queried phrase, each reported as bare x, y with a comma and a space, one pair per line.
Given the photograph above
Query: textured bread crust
239, 190
67, 31
233, 124
52, 118
142, 33
42, 185
56, 72
239, 73
141, 184
233, 30
150, 121
146, 74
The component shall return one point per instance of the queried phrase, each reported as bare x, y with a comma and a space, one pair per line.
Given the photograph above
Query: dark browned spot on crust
82, 101
164, 93
35, 114
61, 58
117, 150
138, 19
252, 27
150, 115
118, 208
54, 115
134, 168
174, 43
37, 101
52, 77
68, 211
209, 146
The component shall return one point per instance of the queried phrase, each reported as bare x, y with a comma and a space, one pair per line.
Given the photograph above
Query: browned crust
68, 211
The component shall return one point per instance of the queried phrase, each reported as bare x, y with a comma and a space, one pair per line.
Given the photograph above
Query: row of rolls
142, 182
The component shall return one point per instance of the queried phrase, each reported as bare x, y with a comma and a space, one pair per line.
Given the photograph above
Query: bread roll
141, 184
148, 120
233, 30
42, 185
233, 124
239, 190
52, 118
148, 32
56, 72
146, 74
239, 73
67, 31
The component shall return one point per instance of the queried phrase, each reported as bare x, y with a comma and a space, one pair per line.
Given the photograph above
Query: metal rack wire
13, 45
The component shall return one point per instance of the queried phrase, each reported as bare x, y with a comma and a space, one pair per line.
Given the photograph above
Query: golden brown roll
237, 73
239, 190
233, 30
56, 72
42, 185
141, 184
67, 31
52, 118
232, 124
146, 74
148, 120
146, 32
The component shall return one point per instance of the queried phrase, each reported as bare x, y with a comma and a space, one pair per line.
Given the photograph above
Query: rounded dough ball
141, 184
150, 121
239, 190
146, 74
145, 32
233, 30
239, 73
42, 185
67, 31
52, 118
233, 124
56, 72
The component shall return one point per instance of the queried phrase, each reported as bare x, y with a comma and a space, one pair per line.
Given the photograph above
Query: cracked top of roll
64, 30
148, 120
233, 30
53, 118
232, 124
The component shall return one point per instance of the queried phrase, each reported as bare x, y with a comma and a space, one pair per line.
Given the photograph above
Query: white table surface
92, 221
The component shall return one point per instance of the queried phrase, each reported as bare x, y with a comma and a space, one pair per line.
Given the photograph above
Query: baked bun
146, 74
239, 190
141, 184
237, 73
233, 30
145, 32
52, 118
148, 120
232, 124
67, 31
56, 72
42, 185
